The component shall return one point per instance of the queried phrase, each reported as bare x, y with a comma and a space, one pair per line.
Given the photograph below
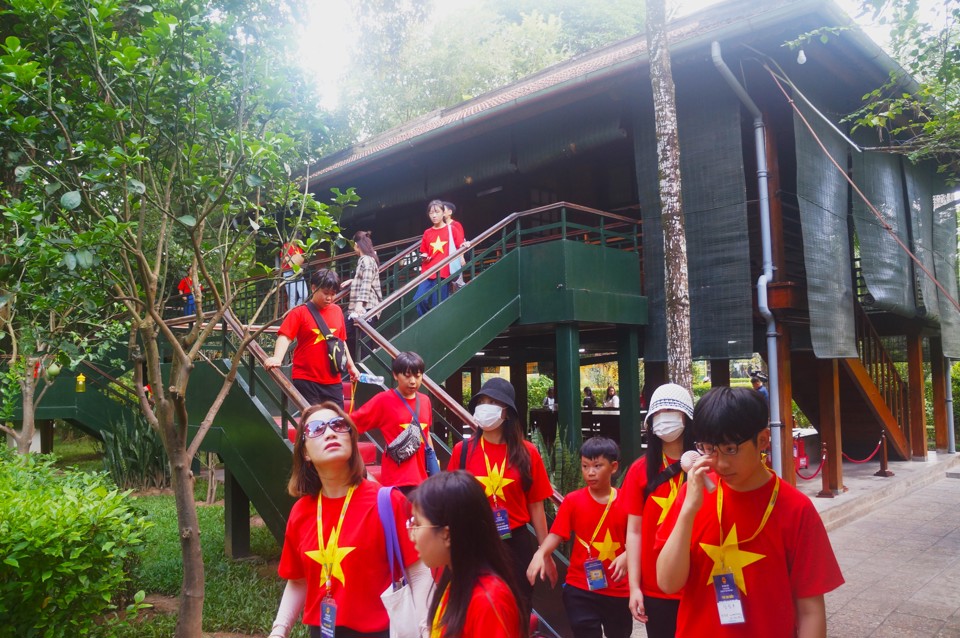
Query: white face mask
489, 416
668, 425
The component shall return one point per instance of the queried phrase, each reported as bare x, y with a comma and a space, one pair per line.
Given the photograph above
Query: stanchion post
825, 491
883, 471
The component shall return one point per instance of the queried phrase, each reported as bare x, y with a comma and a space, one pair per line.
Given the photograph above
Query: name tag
596, 575
728, 600
328, 618
502, 519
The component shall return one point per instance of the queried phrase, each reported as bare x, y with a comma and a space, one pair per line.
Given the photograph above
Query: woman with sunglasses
454, 531
334, 553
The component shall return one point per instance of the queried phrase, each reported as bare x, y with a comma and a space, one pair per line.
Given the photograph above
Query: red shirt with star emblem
436, 245
386, 412
365, 572
310, 359
791, 558
653, 512
578, 515
514, 499
492, 612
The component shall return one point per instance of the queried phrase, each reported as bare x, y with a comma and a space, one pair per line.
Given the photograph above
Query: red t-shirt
436, 246
387, 412
492, 612
185, 287
289, 250
578, 515
653, 512
791, 558
310, 359
364, 565
509, 490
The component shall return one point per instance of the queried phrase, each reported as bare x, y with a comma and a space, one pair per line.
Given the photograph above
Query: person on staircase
512, 473
454, 230
365, 289
321, 356
334, 549
404, 416
435, 247
291, 256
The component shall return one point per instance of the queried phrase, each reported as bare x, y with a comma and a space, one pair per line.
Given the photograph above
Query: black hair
597, 446
456, 500
451, 206
730, 415
325, 279
408, 363
614, 391
364, 244
587, 391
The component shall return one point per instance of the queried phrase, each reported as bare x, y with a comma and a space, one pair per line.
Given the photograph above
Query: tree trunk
28, 388
676, 288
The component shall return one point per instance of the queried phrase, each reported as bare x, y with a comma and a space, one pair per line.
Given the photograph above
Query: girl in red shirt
453, 529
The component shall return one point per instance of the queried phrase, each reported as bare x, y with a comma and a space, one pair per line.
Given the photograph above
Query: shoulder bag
336, 348
405, 599
408, 441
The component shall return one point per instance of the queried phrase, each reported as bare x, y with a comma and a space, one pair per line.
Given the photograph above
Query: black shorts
594, 615
316, 393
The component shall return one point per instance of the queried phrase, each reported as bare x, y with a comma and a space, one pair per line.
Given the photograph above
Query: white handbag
407, 598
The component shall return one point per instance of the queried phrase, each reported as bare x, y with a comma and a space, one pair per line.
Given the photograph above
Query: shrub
133, 454
68, 540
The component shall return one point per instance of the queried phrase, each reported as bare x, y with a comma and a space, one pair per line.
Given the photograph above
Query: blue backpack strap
388, 520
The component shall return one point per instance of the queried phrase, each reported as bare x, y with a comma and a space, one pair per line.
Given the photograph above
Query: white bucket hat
670, 396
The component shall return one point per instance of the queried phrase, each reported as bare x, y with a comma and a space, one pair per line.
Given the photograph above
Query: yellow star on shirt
331, 558
494, 482
438, 246
730, 558
607, 550
665, 503
320, 336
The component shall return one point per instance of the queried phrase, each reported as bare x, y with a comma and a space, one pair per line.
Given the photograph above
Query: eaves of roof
722, 21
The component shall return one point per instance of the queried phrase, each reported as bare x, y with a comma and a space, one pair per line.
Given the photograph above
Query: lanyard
436, 631
606, 510
766, 514
498, 473
329, 551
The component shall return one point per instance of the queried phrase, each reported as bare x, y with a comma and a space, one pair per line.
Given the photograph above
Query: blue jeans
296, 289
189, 307
426, 296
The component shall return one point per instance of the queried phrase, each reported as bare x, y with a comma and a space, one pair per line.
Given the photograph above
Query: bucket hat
499, 390
670, 396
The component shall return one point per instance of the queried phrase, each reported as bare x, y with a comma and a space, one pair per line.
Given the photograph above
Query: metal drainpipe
776, 425
951, 433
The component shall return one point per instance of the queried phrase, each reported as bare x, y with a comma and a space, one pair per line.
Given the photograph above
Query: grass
241, 595
76, 451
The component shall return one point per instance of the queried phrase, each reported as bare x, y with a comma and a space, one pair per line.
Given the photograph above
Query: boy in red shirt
596, 595
185, 288
392, 412
751, 557
434, 247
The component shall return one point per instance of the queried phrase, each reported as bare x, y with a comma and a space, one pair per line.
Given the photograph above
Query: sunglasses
316, 428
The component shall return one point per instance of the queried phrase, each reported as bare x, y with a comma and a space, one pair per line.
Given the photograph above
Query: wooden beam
878, 407
938, 377
785, 387
915, 383
828, 387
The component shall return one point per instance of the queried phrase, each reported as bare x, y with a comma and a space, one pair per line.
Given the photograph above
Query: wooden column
236, 517
518, 377
454, 387
785, 386
654, 374
628, 340
568, 385
475, 383
915, 383
938, 377
828, 385
719, 372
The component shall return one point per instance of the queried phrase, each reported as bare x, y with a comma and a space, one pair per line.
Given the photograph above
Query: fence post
883, 471
825, 491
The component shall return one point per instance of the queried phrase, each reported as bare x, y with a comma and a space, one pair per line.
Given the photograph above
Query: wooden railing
881, 369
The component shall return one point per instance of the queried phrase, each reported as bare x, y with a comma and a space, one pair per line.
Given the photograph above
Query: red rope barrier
872, 454
823, 459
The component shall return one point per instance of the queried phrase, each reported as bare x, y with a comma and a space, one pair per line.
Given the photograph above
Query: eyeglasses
727, 449
316, 428
411, 526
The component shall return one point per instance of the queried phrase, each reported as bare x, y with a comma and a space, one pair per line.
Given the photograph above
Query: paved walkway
898, 543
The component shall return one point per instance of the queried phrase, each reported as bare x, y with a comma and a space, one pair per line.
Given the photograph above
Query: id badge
502, 520
328, 618
728, 600
596, 575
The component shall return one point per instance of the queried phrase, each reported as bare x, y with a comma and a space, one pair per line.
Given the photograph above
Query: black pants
346, 632
594, 615
316, 393
522, 545
661, 616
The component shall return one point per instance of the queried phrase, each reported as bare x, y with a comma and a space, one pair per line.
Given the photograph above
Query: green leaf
253, 181
51, 188
11, 561
22, 172
136, 186
84, 258
70, 261
71, 200
188, 220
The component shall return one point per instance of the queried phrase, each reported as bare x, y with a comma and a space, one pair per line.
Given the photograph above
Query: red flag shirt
185, 287
364, 563
436, 246
791, 558
492, 612
513, 498
311, 361
287, 253
654, 511
578, 516
388, 412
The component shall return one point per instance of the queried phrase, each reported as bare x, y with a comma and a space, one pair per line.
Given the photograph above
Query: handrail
881, 367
